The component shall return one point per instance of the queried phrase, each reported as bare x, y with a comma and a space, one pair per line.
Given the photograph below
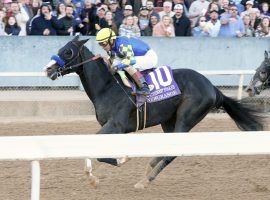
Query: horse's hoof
142, 184
93, 181
122, 161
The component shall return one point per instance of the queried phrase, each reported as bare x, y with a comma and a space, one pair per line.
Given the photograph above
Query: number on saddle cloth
160, 81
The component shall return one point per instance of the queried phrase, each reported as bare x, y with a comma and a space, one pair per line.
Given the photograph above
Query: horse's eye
68, 54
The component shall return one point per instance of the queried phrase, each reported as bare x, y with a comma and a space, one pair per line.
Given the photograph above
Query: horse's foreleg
88, 169
91, 165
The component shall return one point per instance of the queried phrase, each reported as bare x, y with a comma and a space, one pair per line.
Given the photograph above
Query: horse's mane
89, 54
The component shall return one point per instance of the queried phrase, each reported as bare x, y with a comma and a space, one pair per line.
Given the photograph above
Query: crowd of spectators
165, 18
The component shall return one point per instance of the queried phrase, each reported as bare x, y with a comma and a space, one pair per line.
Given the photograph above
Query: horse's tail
247, 119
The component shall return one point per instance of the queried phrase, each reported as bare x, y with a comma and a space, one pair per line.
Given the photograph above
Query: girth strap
141, 117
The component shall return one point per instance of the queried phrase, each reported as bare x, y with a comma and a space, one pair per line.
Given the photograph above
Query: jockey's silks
127, 48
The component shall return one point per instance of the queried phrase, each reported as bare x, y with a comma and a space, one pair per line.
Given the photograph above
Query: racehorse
260, 80
116, 113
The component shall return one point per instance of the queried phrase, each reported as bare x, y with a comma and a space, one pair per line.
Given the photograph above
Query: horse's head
261, 77
67, 56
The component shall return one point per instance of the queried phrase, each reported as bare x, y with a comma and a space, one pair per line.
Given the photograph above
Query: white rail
37, 148
241, 74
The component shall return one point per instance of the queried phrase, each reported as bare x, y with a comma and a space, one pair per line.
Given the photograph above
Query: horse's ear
265, 55
75, 39
82, 42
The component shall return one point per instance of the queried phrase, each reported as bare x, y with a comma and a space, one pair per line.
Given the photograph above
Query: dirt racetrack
187, 178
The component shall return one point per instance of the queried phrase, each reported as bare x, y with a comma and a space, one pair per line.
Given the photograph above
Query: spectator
26, 7
88, 16
49, 2
108, 22
254, 18
212, 6
255, 3
128, 28
214, 23
240, 7
45, 24
100, 15
35, 7
198, 8
6, 4
78, 5
154, 19
249, 30
164, 28
150, 6
231, 24
60, 10
68, 2
136, 5
128, 10
167, 10
118, 15
136, 20
21, 17
122, 4
249, 5
224, 7
104, 6
12, 27
158, 3
265, 10
183, 3
201, 29
143, 18
182, 24
69, 26
263, 29
2, 23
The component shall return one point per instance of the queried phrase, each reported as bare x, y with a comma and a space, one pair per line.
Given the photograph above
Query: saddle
160, 81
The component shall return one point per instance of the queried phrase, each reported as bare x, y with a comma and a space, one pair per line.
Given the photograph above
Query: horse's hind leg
188, 115
157, 163
167, 127
154, 172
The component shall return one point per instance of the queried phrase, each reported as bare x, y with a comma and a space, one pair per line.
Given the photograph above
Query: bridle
264, 82
65, 69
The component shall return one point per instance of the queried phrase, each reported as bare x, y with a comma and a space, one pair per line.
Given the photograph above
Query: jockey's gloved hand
121, 66
112, 69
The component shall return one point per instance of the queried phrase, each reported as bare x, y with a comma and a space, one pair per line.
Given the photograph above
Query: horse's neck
95, 78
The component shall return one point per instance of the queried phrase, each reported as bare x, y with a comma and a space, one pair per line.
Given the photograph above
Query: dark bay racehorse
117, 114
260, 80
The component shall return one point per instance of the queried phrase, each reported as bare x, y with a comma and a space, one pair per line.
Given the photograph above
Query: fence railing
37, 148
241, 74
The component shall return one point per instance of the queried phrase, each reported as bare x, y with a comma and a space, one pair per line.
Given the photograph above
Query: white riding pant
148, 61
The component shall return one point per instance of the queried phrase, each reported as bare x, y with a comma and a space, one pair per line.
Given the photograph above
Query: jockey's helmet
105, 35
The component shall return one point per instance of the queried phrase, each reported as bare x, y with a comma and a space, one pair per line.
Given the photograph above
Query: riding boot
142, 88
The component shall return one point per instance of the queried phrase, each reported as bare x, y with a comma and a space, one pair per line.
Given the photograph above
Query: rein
66, 69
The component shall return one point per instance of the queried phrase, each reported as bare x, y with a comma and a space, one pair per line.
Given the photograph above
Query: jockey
128, 53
